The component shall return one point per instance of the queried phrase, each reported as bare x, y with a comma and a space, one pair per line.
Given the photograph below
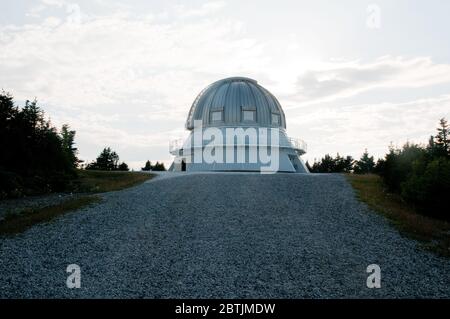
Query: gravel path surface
226, 236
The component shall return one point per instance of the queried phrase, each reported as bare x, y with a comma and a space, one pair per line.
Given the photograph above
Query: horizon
122, 74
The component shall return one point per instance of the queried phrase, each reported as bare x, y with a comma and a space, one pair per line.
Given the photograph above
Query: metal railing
176, 145
298, 144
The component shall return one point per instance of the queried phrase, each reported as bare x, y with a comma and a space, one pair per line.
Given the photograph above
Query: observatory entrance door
183, 166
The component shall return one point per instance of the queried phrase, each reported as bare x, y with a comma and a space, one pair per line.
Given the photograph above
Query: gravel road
223, 236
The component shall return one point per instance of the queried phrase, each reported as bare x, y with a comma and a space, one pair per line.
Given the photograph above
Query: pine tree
107, 161
147, 167
123, 167
33, 159
159, 167
442, 141
68, 142
365, 165
344, 164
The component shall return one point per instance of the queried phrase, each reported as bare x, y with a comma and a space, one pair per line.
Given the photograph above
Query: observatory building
237, 125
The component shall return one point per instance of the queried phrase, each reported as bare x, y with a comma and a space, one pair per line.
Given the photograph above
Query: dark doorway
183, 166
293, 160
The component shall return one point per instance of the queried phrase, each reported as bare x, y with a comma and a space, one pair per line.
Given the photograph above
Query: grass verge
90, 182
433, 234
17, 223
107, 181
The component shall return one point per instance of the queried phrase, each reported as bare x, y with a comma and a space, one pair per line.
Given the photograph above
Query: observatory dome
236, 101
234, 124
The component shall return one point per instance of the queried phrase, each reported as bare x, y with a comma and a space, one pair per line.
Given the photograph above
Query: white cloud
203, 10
132, 69
349, 79
112, 59
51, 22
352, 128
57, 3
37, 10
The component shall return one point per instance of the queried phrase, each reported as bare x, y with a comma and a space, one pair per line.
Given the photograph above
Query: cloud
203, 10
349, 79
113, 59
141, 72
37, 10
349, 129
57, 3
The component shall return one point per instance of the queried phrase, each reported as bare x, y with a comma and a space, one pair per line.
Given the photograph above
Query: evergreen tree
147, 167
33, 159
442, 142
365, 165
68, 142
159, 167
106, 161
328, 164
343, 164
123, 167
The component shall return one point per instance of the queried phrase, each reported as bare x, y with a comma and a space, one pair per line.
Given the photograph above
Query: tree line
38, 158
35, 156
420, 174
108, 160
347, 164
157, 167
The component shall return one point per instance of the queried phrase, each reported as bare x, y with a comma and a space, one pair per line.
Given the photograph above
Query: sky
351, 75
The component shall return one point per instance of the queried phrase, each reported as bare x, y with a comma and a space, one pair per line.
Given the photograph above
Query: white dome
231, 98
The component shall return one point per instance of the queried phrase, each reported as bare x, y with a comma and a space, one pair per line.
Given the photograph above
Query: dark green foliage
428, 186
442, 143
157, 167
108, 160
365, 165
68, 142
439, 145
398, 164
344, 164
33, 157
11, 184
147, 167
123, 167
328, 164
421, 174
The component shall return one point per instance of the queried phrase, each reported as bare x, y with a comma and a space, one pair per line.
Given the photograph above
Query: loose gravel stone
222, 236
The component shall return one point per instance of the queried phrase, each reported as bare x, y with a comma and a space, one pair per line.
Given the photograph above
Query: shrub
10, 185
421, 175
398, 165
428, 186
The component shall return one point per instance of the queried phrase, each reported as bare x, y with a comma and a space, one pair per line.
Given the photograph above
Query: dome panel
233, 96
